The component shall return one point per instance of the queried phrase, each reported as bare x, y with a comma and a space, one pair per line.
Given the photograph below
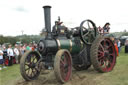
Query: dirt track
88, 77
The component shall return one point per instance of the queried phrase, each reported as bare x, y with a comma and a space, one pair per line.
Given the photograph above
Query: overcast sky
27, 15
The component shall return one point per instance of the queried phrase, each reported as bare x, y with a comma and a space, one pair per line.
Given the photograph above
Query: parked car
126, 45
123, 39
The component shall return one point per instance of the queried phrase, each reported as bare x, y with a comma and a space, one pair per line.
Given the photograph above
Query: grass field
9, 74
119, 75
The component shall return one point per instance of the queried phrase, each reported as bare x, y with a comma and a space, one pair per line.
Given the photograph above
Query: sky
28, 15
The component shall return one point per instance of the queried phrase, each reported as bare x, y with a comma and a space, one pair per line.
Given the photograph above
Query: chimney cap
46, 6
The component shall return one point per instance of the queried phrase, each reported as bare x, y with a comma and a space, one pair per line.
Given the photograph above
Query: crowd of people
10, 55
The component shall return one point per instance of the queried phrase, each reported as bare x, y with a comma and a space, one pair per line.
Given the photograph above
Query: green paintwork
75, 48
66, 44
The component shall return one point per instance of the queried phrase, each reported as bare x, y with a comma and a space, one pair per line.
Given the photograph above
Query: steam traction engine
63, 49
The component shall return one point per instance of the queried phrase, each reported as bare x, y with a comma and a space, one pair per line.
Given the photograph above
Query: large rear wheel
103, 54
63, 66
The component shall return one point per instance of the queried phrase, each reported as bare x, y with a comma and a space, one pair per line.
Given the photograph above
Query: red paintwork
106, 55
6, 61
116, 47
65, 73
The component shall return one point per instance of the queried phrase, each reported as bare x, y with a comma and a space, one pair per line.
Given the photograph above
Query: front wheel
63, 66
29, 65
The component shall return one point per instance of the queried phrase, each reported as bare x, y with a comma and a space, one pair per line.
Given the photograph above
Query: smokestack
47, 17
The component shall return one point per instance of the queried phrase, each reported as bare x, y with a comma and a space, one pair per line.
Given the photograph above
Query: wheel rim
106, 55
65, 66
30, 66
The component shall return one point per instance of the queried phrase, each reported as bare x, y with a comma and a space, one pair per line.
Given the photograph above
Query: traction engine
63, 49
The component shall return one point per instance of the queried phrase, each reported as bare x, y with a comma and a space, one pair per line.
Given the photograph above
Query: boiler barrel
70, 45
53, 45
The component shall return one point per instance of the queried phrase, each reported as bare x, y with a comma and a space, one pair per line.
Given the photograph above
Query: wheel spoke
33, 59
105, 64
27, 68
37, 70
111, 54
104, 43
85, 34
27, 64
62, 62
100, 53
102, 48
100, 57
84, 28
88, 24
65, 58
31, 73
109, 47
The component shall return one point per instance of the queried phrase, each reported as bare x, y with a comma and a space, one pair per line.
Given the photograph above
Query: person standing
106, 28
1, 58
10, 54
28, 48
100, 30
5, 56
16, 53
119, 45
116, 47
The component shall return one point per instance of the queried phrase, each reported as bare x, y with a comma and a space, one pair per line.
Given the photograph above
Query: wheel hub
32, 65
106, 54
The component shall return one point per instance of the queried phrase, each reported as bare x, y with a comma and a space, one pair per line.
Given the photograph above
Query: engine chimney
47, 17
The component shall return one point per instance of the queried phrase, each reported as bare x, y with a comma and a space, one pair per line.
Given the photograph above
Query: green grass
119, 75
8, 74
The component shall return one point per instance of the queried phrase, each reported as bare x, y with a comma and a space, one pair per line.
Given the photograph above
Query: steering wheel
87, 31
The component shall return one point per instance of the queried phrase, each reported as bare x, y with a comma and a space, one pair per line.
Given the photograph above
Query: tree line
30, 38
23, 39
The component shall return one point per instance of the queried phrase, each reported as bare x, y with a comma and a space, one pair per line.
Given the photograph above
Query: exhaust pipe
47, 18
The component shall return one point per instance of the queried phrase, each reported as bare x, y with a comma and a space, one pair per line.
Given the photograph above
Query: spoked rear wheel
103, 54
63, 66
29, 65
